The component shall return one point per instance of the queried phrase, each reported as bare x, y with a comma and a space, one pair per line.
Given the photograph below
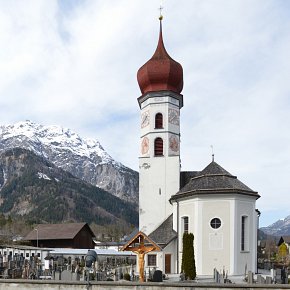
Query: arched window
158, 147
158, 121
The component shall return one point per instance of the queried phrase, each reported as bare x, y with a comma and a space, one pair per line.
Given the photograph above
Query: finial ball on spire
160, 16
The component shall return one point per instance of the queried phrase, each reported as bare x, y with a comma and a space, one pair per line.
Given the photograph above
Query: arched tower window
158, 121
158, 147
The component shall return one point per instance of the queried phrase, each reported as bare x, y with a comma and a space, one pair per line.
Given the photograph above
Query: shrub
188, 260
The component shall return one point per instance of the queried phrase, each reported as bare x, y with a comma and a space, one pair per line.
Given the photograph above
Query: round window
215, 223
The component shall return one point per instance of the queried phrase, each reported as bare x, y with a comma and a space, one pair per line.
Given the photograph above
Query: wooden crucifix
141, 244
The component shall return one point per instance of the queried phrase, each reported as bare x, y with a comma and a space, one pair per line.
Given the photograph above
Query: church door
167, 263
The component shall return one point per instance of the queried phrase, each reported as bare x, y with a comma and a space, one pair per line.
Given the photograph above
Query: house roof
164, 234
283, 239
214, 179
56, 231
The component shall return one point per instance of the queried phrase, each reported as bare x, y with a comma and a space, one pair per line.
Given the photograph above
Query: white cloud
74, 63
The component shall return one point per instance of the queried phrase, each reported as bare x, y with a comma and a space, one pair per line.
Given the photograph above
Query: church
212, 203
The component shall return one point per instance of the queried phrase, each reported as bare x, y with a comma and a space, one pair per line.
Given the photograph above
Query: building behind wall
69, 235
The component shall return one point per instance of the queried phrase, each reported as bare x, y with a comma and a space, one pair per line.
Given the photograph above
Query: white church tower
161, 81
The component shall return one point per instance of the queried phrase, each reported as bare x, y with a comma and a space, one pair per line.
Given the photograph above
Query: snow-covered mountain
278, 228
84, 158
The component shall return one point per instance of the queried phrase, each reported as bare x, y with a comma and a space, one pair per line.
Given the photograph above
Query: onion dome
161, 72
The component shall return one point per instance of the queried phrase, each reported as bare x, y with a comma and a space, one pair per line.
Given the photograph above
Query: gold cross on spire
160, 9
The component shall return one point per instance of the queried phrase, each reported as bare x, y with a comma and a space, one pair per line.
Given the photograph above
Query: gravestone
57, 275
250, 277
259, 279
284, 276
75, 276
278, 277
66, 275
268, 280
273, 273
157, 276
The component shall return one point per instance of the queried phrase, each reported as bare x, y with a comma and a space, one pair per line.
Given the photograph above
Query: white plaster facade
169, 250
219, 248
159, 175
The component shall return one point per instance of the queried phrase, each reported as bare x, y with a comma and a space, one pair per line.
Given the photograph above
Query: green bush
127, 277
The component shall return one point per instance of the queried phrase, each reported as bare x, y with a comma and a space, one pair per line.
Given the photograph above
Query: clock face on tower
173, 117
145, 118
145, 145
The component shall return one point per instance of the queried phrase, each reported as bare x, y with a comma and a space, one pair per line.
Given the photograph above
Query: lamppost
36, 237
90, 258
257, 246
36, 256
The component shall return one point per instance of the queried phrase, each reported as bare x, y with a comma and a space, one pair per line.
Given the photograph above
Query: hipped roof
214, 179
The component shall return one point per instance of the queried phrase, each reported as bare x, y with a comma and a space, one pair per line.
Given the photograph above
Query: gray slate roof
164, 234
185, 177
214, 179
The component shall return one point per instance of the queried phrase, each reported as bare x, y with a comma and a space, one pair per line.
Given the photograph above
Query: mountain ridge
36, 190
85, 158
279, 228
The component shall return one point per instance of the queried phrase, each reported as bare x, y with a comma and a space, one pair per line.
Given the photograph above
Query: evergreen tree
188, 260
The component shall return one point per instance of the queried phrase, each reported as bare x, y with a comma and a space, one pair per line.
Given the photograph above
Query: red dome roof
161, 72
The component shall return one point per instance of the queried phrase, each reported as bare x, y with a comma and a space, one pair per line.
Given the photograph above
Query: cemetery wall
64, 285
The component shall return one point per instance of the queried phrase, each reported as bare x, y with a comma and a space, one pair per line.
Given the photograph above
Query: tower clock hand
144, 120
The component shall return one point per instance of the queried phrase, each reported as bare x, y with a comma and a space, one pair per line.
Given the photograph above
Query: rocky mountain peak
56, 137
279, 228
84, 158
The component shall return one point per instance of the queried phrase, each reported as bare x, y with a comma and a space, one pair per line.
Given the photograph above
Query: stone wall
59, 285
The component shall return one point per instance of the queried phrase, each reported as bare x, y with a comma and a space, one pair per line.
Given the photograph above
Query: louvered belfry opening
158, 147
158, 121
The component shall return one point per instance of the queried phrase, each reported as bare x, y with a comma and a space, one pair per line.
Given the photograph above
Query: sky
73, 63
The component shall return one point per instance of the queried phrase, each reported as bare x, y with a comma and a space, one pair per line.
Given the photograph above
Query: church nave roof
164, 234
213, 179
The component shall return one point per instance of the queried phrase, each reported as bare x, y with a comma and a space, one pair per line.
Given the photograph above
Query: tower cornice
161, 94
